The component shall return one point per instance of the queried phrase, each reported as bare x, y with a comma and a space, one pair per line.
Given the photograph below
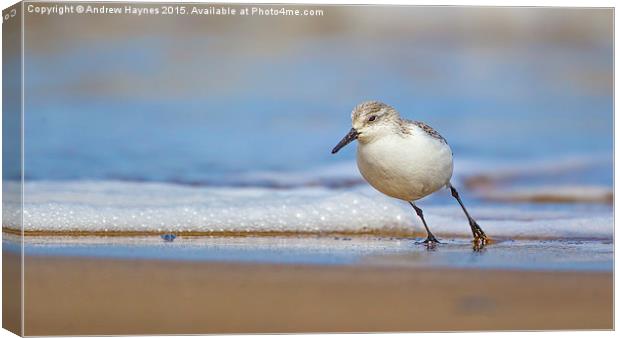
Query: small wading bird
403, 159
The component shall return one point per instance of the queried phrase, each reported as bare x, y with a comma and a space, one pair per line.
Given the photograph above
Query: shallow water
583, 255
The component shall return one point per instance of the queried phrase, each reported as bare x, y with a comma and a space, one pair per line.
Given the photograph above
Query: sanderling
403, 159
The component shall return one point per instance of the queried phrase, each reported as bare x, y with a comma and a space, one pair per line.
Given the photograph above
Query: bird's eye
372, 118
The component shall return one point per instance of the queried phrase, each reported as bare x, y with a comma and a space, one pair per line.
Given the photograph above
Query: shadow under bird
403, 159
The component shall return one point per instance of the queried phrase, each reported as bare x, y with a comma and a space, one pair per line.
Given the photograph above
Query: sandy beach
90, 296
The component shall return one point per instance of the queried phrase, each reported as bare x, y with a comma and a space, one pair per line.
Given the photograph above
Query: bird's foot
477, 231
430, 240
479, 242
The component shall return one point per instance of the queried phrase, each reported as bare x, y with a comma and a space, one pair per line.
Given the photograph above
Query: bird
404, 159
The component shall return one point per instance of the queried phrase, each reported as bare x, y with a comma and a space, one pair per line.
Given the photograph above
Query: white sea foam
123, 206
520, 222
96, 206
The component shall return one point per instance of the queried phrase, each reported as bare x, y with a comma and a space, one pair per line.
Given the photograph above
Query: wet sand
82, 296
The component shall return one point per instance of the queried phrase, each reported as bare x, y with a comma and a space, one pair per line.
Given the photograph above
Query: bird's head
371, 120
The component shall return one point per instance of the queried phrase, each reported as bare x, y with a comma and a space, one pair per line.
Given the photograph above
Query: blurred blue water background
202, 100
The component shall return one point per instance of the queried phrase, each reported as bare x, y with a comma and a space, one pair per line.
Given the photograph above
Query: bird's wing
428, 130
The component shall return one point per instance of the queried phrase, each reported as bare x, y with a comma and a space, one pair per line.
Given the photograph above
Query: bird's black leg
479, 235
430, 238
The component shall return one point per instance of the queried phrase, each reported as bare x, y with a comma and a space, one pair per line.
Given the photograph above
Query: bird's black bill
350, 137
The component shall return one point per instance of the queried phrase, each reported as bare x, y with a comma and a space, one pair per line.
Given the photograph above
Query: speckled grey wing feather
428, 130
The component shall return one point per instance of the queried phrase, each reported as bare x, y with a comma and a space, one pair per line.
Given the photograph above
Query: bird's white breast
406, 166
